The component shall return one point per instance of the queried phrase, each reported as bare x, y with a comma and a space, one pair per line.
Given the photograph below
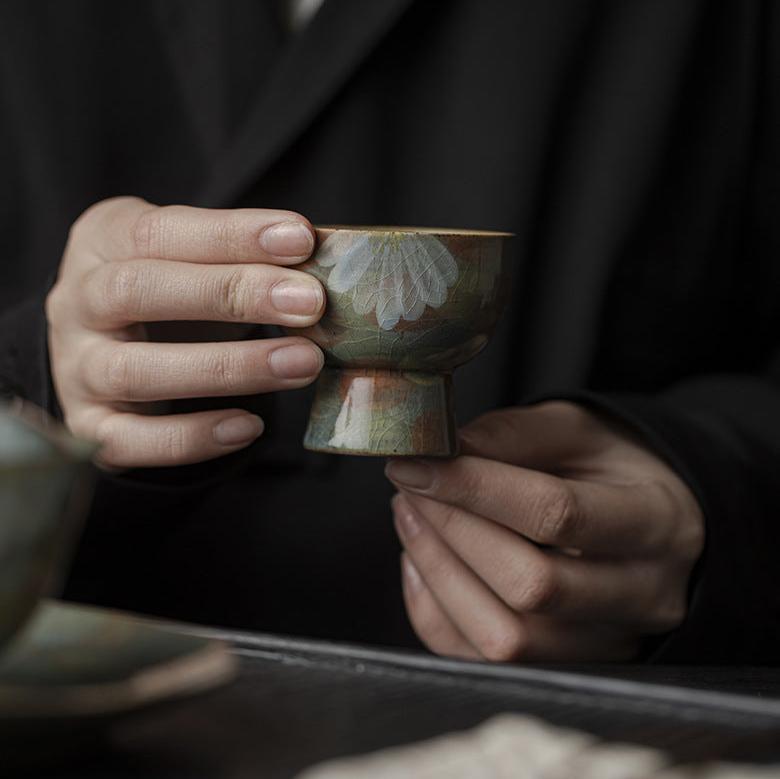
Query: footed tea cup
405, 307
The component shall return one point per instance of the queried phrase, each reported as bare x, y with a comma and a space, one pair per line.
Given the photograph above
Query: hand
554, 537
128, 262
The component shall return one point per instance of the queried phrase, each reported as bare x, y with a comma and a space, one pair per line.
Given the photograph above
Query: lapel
317, 63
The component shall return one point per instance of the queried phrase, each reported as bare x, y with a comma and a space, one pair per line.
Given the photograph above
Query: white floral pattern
397, 275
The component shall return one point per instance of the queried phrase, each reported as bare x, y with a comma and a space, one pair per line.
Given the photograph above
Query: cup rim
466, 233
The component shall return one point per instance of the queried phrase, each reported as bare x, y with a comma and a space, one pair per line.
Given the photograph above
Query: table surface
298, 702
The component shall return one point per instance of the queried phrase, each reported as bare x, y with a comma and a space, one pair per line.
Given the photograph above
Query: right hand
128, 262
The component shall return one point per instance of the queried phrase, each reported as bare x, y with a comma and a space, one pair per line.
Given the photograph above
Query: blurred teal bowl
44, 487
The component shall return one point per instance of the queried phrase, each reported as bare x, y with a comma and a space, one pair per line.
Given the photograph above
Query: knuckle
691, 547
85, 222
685, 533
106, 456
504, 644
90, 367
232, 296
128, 286
78, 228
535, 589
110, 374
557, 515
91, 217
666, 598
117, 289
228, 232
148, 233
108, 438
78, 424
121, 284
228, 367
121, 374
93, 293
173, 442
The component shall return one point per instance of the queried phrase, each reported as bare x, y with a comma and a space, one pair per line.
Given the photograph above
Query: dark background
632, 147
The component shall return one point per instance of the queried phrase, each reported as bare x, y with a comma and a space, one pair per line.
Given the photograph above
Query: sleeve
722, 435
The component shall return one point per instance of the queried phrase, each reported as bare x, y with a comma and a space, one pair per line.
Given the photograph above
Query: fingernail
295, 362
406, 524
235, 431
413, 474
411, 574
287, 239
297, 297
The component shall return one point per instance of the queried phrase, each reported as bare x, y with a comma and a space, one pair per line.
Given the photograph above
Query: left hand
555, 536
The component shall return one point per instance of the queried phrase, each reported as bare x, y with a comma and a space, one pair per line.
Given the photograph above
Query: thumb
543, 436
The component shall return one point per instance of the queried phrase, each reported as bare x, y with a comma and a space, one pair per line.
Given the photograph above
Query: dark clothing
632, 146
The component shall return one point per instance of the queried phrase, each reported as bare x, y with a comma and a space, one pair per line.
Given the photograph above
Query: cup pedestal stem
371, 411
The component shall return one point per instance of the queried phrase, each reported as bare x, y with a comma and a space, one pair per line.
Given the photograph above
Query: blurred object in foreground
44, 488
74, 669
517, 747
73, 660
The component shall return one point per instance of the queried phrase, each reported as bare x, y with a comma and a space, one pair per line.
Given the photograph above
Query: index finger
128, 228
608, 519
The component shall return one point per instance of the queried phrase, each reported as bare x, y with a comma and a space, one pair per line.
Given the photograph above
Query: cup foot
370, 411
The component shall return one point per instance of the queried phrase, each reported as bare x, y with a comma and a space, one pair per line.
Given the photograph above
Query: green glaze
42, 490
406, 306
371, 411
78, 661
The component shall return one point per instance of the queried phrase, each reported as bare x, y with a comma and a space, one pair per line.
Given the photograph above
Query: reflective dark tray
298, 702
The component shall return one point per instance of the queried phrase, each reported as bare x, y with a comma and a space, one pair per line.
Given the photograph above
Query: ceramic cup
406, 306
44, 485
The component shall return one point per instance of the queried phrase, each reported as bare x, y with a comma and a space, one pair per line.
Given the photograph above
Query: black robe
632, 146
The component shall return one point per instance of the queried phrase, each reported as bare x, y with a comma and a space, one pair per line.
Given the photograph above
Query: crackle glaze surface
405, 308
383, 413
